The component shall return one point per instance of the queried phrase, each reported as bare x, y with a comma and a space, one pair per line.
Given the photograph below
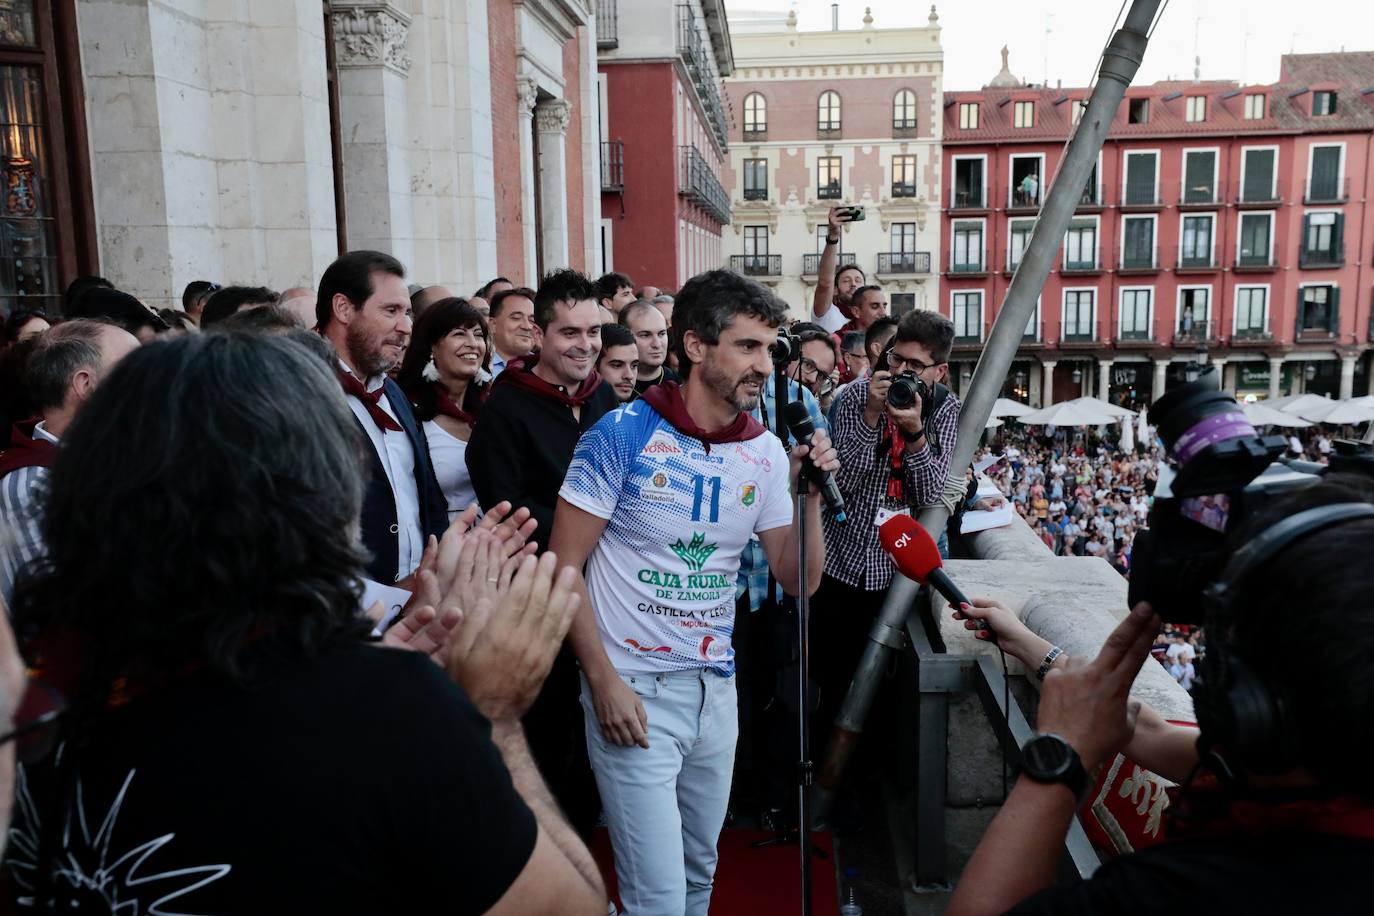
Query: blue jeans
665, 805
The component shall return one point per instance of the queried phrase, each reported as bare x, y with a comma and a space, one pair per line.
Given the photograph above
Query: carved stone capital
370, 35
527, 91
552, 117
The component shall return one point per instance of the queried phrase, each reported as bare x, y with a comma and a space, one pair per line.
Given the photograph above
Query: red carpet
753, 882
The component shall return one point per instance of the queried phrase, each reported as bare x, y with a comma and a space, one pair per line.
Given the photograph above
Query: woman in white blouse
446, 374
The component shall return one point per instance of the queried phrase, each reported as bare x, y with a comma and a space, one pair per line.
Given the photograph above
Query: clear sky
1236, 39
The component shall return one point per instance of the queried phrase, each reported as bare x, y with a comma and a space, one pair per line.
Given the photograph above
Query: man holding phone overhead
834, 284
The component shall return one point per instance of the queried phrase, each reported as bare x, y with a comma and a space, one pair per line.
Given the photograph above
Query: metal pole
1120, 60
804, 765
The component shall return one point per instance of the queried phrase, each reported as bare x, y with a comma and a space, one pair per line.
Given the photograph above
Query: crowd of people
373, 598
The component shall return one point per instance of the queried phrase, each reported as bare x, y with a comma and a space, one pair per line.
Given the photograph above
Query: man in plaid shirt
891, 463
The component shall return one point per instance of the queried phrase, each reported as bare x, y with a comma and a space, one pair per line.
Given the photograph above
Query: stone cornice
370, 34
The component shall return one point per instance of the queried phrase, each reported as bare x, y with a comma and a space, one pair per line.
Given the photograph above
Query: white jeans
665, 805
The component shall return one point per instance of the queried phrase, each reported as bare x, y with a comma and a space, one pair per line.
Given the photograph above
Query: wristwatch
1048, 758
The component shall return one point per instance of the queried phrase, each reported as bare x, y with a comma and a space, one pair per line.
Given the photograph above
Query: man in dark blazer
363, 309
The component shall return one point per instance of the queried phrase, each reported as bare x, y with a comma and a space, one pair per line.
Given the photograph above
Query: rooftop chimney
834, 17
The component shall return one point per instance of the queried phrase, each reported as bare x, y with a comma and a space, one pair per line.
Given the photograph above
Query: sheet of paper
982, 520
393, 599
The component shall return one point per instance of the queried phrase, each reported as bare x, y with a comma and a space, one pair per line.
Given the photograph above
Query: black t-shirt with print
363, 781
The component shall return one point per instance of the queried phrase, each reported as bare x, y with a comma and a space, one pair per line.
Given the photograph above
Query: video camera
1222, 472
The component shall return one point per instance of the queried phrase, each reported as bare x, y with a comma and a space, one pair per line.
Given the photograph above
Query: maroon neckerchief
370, 399
445, 405
896, 452
520, 373
25, 450
666, 398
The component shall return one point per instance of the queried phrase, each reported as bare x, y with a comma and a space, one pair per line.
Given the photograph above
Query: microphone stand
805, 766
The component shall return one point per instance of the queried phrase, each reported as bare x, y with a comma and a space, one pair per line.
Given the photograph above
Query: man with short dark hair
835, 283
660, 501
492, 287
363, 310
105, 302
814, 366
194, 296
618, 363
67, 364
512, 327
651, 337
867, 304
614, 291
230, 299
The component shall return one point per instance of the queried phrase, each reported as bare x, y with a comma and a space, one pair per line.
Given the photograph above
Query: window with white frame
1137, 242
1254, 107
1256, 234
1196, 241
756, 250
968, 115
904, 175
1197, 108
1140, 178
1026, 185
1136, 308
756, 179
1080, 244
828, 112
1199, 176
1024, 115
828, 177
1078, 314
755, 116
1018, 237
1194, 311
968, 246
1252, 310
969, 189
1324, 174
902, 238
904, 110
1324, 103
1259, 168
967, 314
1319, 310
1323, 242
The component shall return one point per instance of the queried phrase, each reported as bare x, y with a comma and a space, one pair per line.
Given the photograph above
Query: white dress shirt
398, 460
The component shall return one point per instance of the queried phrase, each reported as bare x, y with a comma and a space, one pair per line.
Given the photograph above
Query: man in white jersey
661, 498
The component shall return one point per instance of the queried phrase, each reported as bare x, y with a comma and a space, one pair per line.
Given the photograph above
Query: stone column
1104, 379
1047, 386
1161, 373
528, 91
1219, 365
551, 120
1347, 376
373, 61
1275, 372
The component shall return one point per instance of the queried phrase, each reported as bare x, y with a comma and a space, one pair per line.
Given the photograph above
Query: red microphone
917, 556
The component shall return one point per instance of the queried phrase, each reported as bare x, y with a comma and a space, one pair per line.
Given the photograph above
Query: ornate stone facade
369, 35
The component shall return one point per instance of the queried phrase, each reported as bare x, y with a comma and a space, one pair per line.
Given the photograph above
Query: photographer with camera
895, 434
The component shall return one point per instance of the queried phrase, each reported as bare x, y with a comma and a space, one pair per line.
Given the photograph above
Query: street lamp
1077, 375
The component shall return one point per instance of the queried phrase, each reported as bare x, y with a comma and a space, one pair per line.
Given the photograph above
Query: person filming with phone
835, 284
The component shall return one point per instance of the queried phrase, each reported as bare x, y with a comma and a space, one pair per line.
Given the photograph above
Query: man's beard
366, 354
728, 388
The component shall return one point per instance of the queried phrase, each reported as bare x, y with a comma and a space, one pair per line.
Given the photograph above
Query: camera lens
902, 394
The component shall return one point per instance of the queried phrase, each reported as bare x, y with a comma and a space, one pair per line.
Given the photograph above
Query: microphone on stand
799, 424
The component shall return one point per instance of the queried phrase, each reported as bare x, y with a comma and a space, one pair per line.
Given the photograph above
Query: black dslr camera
1221, 472
907, 386
786, 348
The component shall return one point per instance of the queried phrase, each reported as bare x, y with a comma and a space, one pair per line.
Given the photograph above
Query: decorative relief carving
527, 90
371, 35
552, 117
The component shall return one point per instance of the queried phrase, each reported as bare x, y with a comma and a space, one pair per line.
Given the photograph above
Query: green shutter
1333, 314
1338, 238
1302, 246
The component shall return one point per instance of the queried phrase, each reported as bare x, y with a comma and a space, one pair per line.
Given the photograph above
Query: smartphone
856, 214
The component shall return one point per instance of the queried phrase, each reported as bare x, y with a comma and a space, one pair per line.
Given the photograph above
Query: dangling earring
430, 372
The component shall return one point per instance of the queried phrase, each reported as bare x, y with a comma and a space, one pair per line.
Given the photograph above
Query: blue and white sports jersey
662, 577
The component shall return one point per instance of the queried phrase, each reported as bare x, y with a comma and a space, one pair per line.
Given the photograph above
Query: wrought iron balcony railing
757, 265
699, 184
612, 166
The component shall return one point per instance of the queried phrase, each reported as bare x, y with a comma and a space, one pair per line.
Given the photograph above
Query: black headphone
1237, 711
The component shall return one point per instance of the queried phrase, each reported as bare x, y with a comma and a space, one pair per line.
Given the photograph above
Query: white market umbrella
1006, 407
1066, 413
1340, 413
1143, 431
1127, 435
1111, 410
1297, 403
1261, 414
992, 423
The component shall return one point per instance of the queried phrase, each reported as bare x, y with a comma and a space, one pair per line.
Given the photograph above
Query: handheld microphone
917, 557
799, 423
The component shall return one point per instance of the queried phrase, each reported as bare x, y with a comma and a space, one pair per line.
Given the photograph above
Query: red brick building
663, 133
1219, 217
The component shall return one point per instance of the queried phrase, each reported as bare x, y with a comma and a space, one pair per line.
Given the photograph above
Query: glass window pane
16, 23
1140, 178
28, 246
1259, 175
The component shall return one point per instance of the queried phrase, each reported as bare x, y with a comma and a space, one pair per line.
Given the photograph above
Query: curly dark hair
241, 449
563, 286
435, 324
709, 303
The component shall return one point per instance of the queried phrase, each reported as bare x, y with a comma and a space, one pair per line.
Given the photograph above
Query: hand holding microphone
917, 557
820, 463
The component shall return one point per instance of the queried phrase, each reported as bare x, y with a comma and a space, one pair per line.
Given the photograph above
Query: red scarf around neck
371, 401
666, 398
446, 406
520, 373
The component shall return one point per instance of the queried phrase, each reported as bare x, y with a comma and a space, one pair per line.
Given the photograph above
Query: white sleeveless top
449, 456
